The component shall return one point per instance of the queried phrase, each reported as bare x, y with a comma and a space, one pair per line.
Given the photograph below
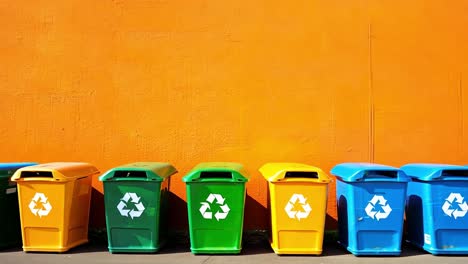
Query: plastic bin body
215, 202
370, 203
10, 228
136, 204
54, 202
297, 201
436, 208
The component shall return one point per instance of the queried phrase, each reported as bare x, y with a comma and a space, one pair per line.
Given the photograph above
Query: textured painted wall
319, 82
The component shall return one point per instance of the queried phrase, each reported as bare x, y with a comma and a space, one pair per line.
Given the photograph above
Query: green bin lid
140, 171
217, 171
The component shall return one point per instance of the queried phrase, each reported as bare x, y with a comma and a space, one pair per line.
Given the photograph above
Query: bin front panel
216, 213
370, 216
438, 216
54, 202
42, 210
298, 211
132, 214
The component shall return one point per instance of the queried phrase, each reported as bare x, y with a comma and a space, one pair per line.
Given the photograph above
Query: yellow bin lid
294, 172
55, 171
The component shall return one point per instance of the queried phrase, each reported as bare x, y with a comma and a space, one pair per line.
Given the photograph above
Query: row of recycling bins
53, 200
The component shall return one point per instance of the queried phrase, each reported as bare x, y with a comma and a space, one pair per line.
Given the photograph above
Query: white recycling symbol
380, 214
306, 209
46, 206
205, 208
449, 206
138, 205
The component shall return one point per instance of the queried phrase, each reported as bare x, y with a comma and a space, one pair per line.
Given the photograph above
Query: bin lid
217, 171
57, 171
278, 171
15, 165
140, 171
431, 171
353, 172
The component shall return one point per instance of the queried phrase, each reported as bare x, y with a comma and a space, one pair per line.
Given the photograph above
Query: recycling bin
10, 228
298, 202
54, 201
215, 203
436, 208
136, 203
370, 202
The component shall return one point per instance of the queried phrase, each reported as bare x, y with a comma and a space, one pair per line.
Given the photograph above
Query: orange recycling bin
54, 201
297, 201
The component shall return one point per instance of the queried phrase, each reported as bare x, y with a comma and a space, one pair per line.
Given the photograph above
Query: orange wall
320, 82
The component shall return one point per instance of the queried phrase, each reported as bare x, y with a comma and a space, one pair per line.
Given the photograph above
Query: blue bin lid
353, 172
432, 172
7, 169
15, 165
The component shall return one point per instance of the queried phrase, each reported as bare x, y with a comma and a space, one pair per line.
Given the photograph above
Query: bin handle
130, 174
215, 175
301, 174
379, 175
454, 174
36, 174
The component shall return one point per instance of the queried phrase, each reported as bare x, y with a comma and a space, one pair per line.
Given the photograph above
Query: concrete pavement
257, 253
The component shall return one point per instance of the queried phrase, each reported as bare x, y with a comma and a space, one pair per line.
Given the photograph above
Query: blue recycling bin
371, 202
436, 208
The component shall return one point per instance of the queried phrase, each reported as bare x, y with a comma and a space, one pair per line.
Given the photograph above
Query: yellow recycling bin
298, 201
54, 201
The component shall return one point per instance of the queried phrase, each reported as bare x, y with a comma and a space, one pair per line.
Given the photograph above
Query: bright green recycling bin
136, 201
215, 203
10, 229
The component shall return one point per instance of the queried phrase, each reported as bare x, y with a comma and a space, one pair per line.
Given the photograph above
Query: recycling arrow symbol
378, 214
138, 206
460, 210
205, 208
46, 206
306, 209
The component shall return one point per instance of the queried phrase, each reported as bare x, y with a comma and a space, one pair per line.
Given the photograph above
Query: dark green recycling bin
215, 203
136, 201
10, 228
